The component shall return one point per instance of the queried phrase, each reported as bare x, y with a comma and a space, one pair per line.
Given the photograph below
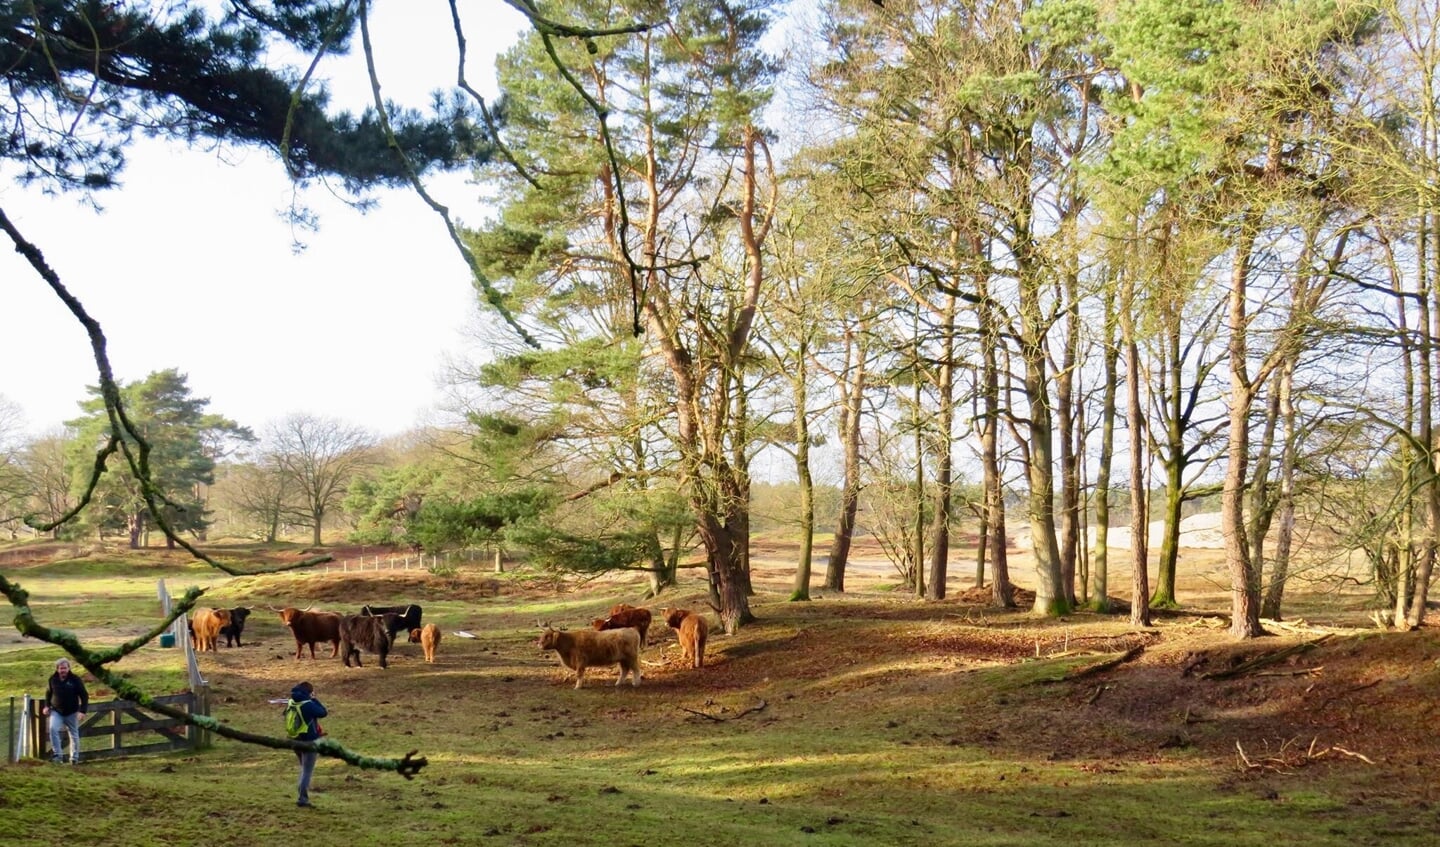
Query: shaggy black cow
364, 632
232, 630
397, 618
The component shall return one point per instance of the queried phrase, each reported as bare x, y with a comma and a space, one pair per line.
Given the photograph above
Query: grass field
859, 719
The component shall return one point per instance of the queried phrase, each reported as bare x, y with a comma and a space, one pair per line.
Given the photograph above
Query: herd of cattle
613, 640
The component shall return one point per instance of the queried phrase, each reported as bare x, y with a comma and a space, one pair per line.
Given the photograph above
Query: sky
191, 265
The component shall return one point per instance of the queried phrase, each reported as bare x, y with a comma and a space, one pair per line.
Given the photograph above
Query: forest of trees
1039, 267
1068, 252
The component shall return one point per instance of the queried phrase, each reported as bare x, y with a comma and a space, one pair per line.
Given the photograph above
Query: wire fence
446, 562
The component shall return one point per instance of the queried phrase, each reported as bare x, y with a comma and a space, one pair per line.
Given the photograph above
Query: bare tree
317, 458
13, 488
47, 472
258, 491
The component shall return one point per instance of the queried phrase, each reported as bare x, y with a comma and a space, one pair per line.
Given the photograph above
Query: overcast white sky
190, 266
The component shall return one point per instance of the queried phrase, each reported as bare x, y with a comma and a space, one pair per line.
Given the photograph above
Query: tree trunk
740, 462
1175, 459
801, 589
1430, 303
1139, 494
944, 460
1067, 434
982, 546
1262, 501
1002, 591
723, 548
852, 393
918, 556
1275, 592
1050, 597
1244, 581
1166, 566
1100, 573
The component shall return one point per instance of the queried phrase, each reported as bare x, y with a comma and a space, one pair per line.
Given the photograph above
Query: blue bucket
167, 639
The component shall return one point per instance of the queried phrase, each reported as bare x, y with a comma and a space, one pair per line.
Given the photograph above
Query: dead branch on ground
1288, 757
1266, 659
1347, 692
718, 719
1100, 667
1297, 672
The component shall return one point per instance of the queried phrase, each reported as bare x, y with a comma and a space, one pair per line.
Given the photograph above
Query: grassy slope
884, 722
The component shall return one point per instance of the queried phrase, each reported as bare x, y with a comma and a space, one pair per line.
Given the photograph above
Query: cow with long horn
311, 628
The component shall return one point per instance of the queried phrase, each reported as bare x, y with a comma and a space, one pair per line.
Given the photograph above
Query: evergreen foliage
441, 524
84, 76
185, 442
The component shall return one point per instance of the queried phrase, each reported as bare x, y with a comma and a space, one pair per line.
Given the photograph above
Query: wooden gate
129, 728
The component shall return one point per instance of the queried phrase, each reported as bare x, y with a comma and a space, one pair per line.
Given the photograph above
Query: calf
622, 616
205, 625
232, 630
428, 637
692, 631
364, 632
397, 618
585, 648
311, 628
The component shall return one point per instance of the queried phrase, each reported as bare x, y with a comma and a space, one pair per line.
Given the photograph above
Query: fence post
199, 705
34, 738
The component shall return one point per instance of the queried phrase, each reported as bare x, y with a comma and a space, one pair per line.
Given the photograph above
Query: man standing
66, 702
312, 711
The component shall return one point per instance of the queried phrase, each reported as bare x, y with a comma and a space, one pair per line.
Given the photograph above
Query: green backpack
294, 719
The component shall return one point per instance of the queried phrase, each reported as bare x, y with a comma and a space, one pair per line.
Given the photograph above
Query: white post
22, 750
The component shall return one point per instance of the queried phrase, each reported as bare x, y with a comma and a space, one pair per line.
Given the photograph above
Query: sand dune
1197, 531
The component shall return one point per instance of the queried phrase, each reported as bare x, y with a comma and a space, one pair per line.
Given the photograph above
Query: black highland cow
364, 632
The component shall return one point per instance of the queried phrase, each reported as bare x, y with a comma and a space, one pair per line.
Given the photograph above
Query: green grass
849, 749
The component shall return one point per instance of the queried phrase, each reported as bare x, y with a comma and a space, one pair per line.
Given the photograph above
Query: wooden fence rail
122, 722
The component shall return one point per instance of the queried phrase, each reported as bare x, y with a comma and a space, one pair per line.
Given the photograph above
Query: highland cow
232, 630
311, 628
622, 616
364, 632
693, 632
205, 626
428, 637
397, 618
584, 648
